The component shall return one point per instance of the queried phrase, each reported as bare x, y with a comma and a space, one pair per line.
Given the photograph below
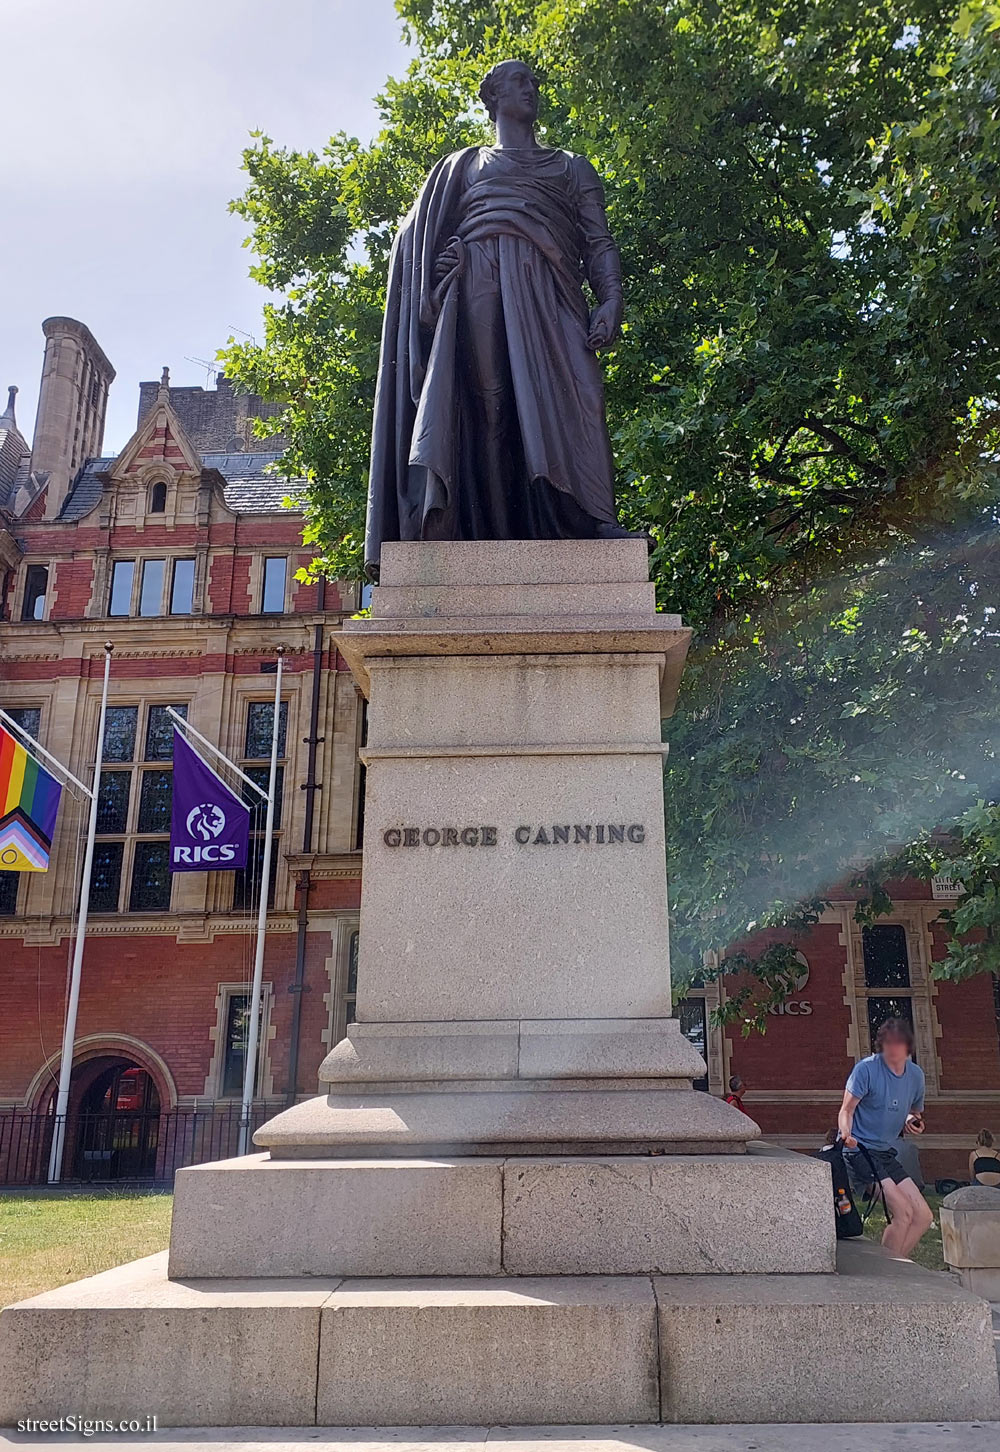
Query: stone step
879, 1341
766, 1212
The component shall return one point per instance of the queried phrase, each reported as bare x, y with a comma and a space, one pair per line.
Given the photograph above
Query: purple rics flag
209, 825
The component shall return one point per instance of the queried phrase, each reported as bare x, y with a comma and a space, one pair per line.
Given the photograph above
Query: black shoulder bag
849, 1221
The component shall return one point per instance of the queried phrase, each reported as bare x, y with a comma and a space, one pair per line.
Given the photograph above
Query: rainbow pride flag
29, 802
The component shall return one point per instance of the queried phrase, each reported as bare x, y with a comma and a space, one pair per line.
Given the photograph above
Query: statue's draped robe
489, 413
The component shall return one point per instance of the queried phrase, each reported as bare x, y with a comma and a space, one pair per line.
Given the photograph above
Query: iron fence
122, 1146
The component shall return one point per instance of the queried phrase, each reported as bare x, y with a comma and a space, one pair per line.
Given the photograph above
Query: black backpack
849, 1221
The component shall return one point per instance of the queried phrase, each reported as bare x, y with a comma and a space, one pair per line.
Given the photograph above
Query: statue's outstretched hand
605, 321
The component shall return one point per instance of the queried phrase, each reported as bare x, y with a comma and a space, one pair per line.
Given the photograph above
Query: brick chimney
72, 401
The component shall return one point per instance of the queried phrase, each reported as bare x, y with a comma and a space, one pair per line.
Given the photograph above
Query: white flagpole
253, 1027
69, 1028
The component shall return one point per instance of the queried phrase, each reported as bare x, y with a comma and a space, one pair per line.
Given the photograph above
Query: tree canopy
804, 405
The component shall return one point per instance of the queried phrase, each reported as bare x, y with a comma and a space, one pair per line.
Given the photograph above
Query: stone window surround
915, 918
138, 559
337, 965
217, 1036
20, 585
257, 580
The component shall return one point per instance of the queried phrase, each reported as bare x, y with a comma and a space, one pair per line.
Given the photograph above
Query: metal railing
122, 1146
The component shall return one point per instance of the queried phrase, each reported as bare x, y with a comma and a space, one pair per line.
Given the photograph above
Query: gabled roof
247, 488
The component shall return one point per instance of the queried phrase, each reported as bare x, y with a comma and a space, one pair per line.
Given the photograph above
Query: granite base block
132, 1344
764, 1212
302, 1218
555, 1349
882, 1340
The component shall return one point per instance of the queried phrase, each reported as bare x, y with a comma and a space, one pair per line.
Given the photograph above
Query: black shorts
887, 1166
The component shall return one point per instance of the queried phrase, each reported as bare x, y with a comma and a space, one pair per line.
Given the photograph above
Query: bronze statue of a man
489, 412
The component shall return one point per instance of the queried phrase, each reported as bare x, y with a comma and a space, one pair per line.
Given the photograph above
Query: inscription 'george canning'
586, 834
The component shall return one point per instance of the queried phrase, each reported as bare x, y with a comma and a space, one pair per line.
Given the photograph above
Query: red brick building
181, 551
184, 555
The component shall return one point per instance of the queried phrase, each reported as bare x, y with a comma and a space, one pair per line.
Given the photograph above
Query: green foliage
804, 404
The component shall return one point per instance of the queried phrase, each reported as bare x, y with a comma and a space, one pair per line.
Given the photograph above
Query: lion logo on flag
206, 821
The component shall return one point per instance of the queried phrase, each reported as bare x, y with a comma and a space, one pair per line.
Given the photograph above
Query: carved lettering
581, 834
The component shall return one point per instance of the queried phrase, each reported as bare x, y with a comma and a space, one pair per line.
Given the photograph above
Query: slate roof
248, 489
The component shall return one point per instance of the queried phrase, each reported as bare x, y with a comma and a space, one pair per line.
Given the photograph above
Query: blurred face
895, 1050
515, 94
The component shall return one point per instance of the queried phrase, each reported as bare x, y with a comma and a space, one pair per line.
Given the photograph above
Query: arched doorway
117, 1120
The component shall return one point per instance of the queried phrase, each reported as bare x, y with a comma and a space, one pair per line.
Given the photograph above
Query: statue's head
512, 88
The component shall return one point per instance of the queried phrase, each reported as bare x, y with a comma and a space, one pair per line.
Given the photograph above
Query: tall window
272, 600
257, 765
30, 717
131, 871
887, 971
158, 498
351, 987
235, 1026
182, 587
122, 576
151, 590
36, 583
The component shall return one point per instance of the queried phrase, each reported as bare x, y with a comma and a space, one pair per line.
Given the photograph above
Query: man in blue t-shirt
884, 1097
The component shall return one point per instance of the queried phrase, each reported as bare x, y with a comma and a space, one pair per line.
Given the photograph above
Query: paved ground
829, 1437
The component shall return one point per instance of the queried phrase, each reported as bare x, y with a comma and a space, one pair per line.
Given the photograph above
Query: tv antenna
210, 368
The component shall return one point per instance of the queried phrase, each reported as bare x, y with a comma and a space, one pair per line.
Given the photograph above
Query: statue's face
516, 93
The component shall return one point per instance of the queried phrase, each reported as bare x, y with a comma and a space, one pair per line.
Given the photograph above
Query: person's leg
897, 1235
921, 1215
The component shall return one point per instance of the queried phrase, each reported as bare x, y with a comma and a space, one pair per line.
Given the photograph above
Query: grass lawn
49, 1239
928, 1252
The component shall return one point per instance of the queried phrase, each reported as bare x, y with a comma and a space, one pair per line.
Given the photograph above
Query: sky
122, 124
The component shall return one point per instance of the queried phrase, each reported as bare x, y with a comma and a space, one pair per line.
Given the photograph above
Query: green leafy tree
805, 408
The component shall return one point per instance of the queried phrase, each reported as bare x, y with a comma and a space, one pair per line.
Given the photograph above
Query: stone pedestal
970, 1231
514, 978
541, 1220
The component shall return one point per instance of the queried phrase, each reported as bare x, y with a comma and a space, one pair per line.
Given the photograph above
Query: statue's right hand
447, 261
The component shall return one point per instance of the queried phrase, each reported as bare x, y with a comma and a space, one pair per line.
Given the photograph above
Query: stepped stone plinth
508, 1204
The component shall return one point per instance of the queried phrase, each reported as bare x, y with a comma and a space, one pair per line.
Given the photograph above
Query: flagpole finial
280, 650
109, 646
